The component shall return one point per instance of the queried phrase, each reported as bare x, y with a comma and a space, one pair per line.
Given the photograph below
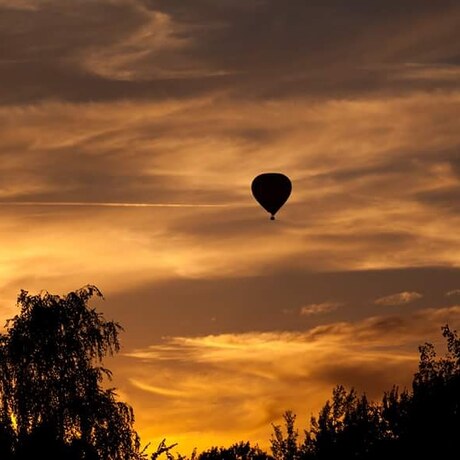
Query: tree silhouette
238, 451
284, 446
423, 423
163, 448
347, 427
53, 404
6, 438
434, 410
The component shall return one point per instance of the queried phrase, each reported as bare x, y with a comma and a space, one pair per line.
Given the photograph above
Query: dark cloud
45, 50
255, 48
366, 377
38, 46
447, 198
275, 49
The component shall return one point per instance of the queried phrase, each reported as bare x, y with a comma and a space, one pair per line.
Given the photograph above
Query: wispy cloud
117, 205
318, 308
401, 298
352, 206
453, 292
430, 72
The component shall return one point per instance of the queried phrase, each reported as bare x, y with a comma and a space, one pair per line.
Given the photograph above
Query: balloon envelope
271, 190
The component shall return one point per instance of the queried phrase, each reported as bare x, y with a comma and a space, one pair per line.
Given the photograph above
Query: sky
130, 132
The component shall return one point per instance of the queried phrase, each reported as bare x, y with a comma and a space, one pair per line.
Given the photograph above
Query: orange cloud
181, 386
365, 188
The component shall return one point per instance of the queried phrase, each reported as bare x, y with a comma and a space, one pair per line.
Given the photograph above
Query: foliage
238, 451
351, 427
164, 449
51, 379
284, 447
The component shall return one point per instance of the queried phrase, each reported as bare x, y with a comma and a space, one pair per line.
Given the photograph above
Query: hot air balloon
271, 190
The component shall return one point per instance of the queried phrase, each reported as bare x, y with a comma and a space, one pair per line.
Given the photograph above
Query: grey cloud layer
110, 50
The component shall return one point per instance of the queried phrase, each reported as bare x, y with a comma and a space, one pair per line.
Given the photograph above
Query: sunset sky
130, 132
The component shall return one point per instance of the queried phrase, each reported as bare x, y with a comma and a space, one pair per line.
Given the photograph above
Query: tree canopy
51, 378
421, 423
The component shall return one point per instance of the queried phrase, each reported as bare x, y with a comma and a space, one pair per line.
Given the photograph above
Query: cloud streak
401, 298
319, 308
116, 205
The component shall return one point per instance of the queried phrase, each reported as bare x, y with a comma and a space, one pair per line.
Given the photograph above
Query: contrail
116, 205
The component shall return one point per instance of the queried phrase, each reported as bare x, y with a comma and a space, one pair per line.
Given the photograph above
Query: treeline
53, 404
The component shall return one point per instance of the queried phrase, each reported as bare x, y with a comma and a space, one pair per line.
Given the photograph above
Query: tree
163, 448
284, 447
347, 427
51, 378
422, 423
238, 451
434, 411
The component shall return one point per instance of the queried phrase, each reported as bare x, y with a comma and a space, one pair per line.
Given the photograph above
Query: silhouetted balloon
271, 190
